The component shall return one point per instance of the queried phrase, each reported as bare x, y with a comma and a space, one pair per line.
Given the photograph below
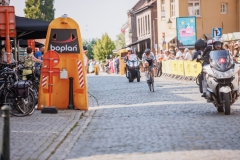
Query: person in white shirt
179, 54
188, 55
4, 56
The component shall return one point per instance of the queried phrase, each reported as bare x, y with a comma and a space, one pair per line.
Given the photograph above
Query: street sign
216, 32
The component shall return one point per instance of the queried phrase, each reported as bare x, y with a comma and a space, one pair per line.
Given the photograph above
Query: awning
168, 39
208, 36
230, 37
136, 42
225, 37
236, 35
31, 28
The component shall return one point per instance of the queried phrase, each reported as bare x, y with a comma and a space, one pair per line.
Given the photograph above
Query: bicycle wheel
150, 81
20, 107
153, 86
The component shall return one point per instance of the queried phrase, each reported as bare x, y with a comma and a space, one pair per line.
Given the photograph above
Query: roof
142, 4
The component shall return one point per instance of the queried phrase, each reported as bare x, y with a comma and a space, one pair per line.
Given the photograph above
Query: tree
120, 41
39, 9
90, 44
103, 48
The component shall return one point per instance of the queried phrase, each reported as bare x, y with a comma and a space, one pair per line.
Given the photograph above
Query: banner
186, 32
180, 67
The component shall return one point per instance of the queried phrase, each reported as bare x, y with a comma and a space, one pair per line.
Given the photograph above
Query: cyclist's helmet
200, 44
147, 51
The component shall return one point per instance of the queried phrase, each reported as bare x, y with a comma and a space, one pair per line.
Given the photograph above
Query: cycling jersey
150, 59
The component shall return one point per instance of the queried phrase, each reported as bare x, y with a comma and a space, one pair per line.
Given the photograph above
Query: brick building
142, 19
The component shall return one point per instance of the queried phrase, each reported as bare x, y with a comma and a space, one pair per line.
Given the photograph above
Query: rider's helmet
147, 51
200, 44
210, 42
217, 43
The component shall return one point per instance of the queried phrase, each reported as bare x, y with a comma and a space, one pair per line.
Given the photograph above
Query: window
163, 9
172, 8
194, 7
224, 8
146, 24
139, 27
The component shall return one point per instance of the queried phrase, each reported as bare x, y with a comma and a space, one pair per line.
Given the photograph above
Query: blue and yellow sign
186, 32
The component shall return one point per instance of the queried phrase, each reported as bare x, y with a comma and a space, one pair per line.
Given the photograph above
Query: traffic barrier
181, 69
64, 37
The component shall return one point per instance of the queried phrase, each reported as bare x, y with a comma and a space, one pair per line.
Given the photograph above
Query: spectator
166, 55
4, 56
236, 52
188, 55
29, 61
226, 47
117, 64
39, 55
85, 51
179, 54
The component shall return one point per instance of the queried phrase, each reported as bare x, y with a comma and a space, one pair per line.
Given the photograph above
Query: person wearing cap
4, 56
85, 51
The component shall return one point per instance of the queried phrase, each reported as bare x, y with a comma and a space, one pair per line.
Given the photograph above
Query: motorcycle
133, 69
222, 80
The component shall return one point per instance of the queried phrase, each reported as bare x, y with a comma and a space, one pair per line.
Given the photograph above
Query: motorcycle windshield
132, 57
221, 60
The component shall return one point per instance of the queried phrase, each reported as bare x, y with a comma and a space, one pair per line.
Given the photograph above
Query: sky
94, 17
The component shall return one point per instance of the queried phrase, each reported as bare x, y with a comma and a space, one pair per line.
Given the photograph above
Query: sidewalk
43, 136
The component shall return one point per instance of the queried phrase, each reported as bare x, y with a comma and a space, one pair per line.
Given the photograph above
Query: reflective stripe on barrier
80, 74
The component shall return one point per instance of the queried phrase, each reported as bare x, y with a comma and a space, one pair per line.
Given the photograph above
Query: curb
65, 146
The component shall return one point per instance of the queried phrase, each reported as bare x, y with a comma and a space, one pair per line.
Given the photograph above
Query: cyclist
148, 59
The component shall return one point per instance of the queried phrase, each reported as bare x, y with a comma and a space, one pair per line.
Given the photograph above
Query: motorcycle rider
148, 59
216, 45
129, 53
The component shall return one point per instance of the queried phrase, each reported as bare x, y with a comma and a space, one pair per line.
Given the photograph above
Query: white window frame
163, 10
172, 8
224, 8
194, 7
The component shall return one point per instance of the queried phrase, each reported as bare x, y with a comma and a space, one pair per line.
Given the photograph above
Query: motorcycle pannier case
22, 88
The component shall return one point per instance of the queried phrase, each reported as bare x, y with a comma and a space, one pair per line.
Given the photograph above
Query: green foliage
90, 44
120, 41
35, 9
103, 48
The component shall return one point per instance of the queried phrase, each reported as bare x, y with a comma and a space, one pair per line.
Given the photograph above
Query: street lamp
169, 23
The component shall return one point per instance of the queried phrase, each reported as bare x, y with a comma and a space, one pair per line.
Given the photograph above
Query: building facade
142, 19
209, 14
4, 2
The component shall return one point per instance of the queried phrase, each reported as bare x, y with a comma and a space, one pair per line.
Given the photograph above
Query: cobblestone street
174, 122
127, 121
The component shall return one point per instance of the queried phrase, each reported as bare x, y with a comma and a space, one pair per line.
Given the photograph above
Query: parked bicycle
17, 94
